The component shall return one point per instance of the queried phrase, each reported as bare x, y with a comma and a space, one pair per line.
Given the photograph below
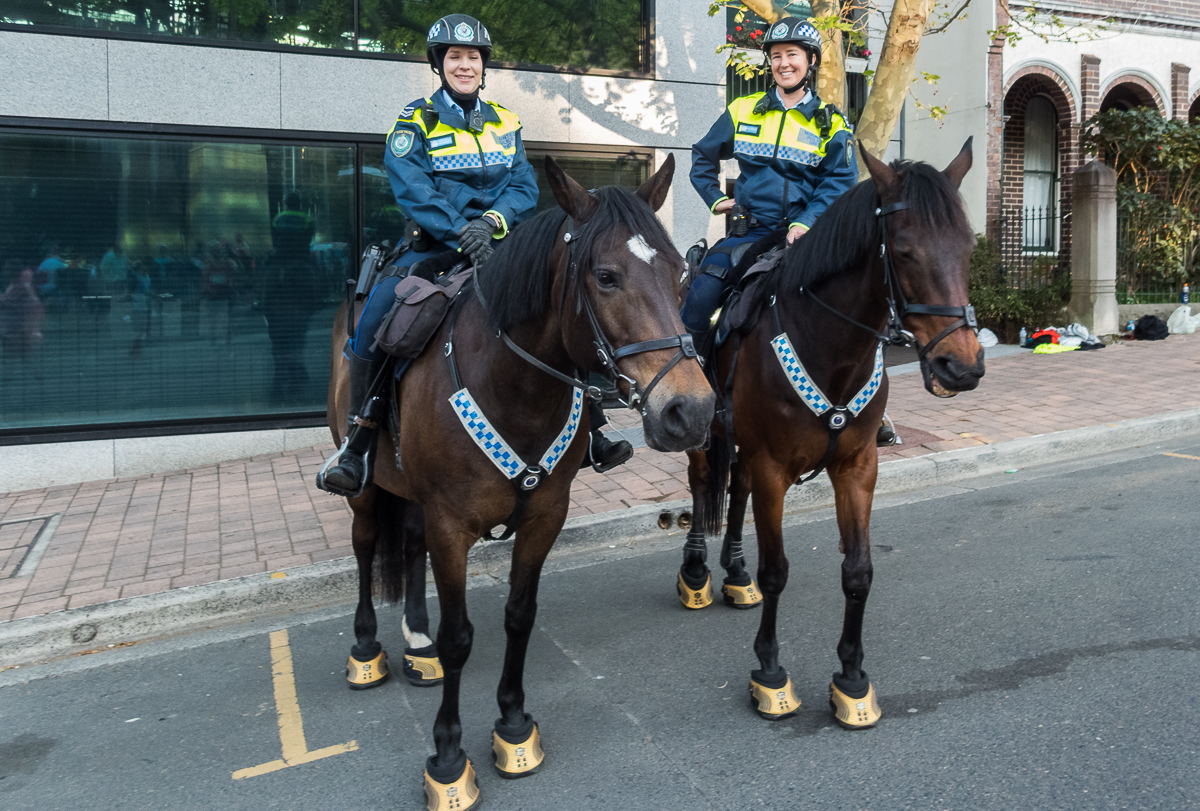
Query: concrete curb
137, 619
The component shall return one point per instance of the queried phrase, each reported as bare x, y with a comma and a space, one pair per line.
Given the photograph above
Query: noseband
605, 352
897, 335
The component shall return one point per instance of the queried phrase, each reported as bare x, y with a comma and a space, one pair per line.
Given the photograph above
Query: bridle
896, 334
605, 352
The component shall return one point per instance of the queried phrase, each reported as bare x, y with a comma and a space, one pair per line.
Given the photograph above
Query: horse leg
850, 693
449, 775
771, 691
367, 666
694, 583
516, 742
421, 664
739, 589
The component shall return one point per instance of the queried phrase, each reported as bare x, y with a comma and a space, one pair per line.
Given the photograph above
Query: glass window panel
383, 220
156, 279
629, 171
1038, 193
568, 33
1040, 120
312, 23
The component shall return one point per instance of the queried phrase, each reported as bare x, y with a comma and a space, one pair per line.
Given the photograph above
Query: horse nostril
674, 416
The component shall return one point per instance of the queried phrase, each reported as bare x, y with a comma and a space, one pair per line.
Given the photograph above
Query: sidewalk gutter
93, 629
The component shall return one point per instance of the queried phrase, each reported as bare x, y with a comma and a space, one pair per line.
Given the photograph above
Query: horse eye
606, 278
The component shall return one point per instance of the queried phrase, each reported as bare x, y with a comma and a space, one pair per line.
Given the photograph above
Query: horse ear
881, 173
654, 191
961, 163
572, 198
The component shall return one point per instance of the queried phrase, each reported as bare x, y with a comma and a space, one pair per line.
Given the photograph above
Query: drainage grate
22, 542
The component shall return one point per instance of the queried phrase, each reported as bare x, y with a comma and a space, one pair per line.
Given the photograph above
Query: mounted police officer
796, 156
457, 167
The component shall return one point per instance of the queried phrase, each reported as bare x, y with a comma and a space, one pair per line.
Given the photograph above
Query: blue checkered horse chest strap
500, 452
809, 392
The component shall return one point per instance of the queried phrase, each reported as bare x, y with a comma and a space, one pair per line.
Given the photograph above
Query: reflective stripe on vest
758, 136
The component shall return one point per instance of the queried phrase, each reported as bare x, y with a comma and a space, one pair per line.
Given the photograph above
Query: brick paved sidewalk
126, 537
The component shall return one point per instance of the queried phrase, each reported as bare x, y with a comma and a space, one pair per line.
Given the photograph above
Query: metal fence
1035, 245
1138, 283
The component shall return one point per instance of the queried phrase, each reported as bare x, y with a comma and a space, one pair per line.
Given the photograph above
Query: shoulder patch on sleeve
849, 153
401, 142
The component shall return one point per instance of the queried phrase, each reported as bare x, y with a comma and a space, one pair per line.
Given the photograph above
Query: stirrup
616, 461
337, 491
887, 435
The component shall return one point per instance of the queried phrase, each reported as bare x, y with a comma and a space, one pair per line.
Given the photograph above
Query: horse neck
838, 354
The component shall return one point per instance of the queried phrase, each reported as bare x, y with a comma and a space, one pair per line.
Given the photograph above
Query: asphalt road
1033, 638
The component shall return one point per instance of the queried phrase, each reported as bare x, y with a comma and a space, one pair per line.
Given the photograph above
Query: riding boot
349, 471
604, 454
886, 435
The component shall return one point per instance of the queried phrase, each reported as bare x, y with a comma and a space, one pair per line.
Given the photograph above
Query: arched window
1041, 170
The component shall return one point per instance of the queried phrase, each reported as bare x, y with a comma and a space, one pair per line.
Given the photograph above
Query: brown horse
808, 391
592, 287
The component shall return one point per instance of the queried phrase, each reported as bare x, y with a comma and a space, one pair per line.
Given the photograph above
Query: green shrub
1004, 309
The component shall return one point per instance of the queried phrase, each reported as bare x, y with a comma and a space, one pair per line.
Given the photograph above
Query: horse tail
390, 570
718, 459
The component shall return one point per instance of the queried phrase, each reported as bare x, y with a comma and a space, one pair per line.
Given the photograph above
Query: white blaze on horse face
414, 640
638, 247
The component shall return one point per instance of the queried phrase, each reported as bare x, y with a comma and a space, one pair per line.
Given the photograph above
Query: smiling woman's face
789, 64
463, 69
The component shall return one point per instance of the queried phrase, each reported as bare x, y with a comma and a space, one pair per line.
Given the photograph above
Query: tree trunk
893, 76
765, 9
831, 81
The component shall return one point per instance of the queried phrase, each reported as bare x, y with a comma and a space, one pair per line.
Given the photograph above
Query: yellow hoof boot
367, 672
422, 667
854, 706
742, 596
773, 698
695, 597
518, 753
455, 795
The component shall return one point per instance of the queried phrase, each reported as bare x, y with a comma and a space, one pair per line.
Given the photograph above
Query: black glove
475, 239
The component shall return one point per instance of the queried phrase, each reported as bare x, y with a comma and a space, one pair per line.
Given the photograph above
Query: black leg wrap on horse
856, 688
365, 653
446, 774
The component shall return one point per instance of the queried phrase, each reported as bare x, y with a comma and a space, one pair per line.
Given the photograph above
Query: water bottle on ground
1022, 337
1184, 298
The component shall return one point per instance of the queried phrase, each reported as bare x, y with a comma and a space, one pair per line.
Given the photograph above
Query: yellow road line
291, 724
1182, 456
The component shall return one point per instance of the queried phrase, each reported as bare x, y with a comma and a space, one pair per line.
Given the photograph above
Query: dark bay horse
887, 261
592, 287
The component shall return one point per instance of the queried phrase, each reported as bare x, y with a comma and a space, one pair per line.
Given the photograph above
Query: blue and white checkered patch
809, 392
794, 155
470, 160
563, 440
491, 443
486, 437
755, 148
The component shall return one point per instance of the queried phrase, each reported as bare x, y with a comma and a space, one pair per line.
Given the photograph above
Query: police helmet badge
780, 30
463, 32
402, 141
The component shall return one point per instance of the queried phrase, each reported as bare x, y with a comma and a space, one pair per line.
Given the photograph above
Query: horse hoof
422, 667
695, 597
364, 674
455, 795
854, 704
517, 754
741, 596
773, 698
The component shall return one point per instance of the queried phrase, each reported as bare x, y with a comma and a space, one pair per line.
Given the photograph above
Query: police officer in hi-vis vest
458, 169
796, 156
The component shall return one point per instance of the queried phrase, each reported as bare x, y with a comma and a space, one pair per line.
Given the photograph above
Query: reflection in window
604, 34
148, 280
628, 171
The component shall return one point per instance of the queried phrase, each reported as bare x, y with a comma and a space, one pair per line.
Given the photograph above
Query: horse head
930, 244
620, 288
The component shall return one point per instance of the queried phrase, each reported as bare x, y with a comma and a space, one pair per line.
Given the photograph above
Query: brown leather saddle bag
421, 306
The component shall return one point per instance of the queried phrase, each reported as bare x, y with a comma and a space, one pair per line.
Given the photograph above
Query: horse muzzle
945, 375
678, 422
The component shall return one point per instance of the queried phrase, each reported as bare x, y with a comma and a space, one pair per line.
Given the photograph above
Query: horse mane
846, 236
516, 281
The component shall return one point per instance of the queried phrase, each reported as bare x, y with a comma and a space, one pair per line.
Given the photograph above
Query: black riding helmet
456, 29
795, 30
